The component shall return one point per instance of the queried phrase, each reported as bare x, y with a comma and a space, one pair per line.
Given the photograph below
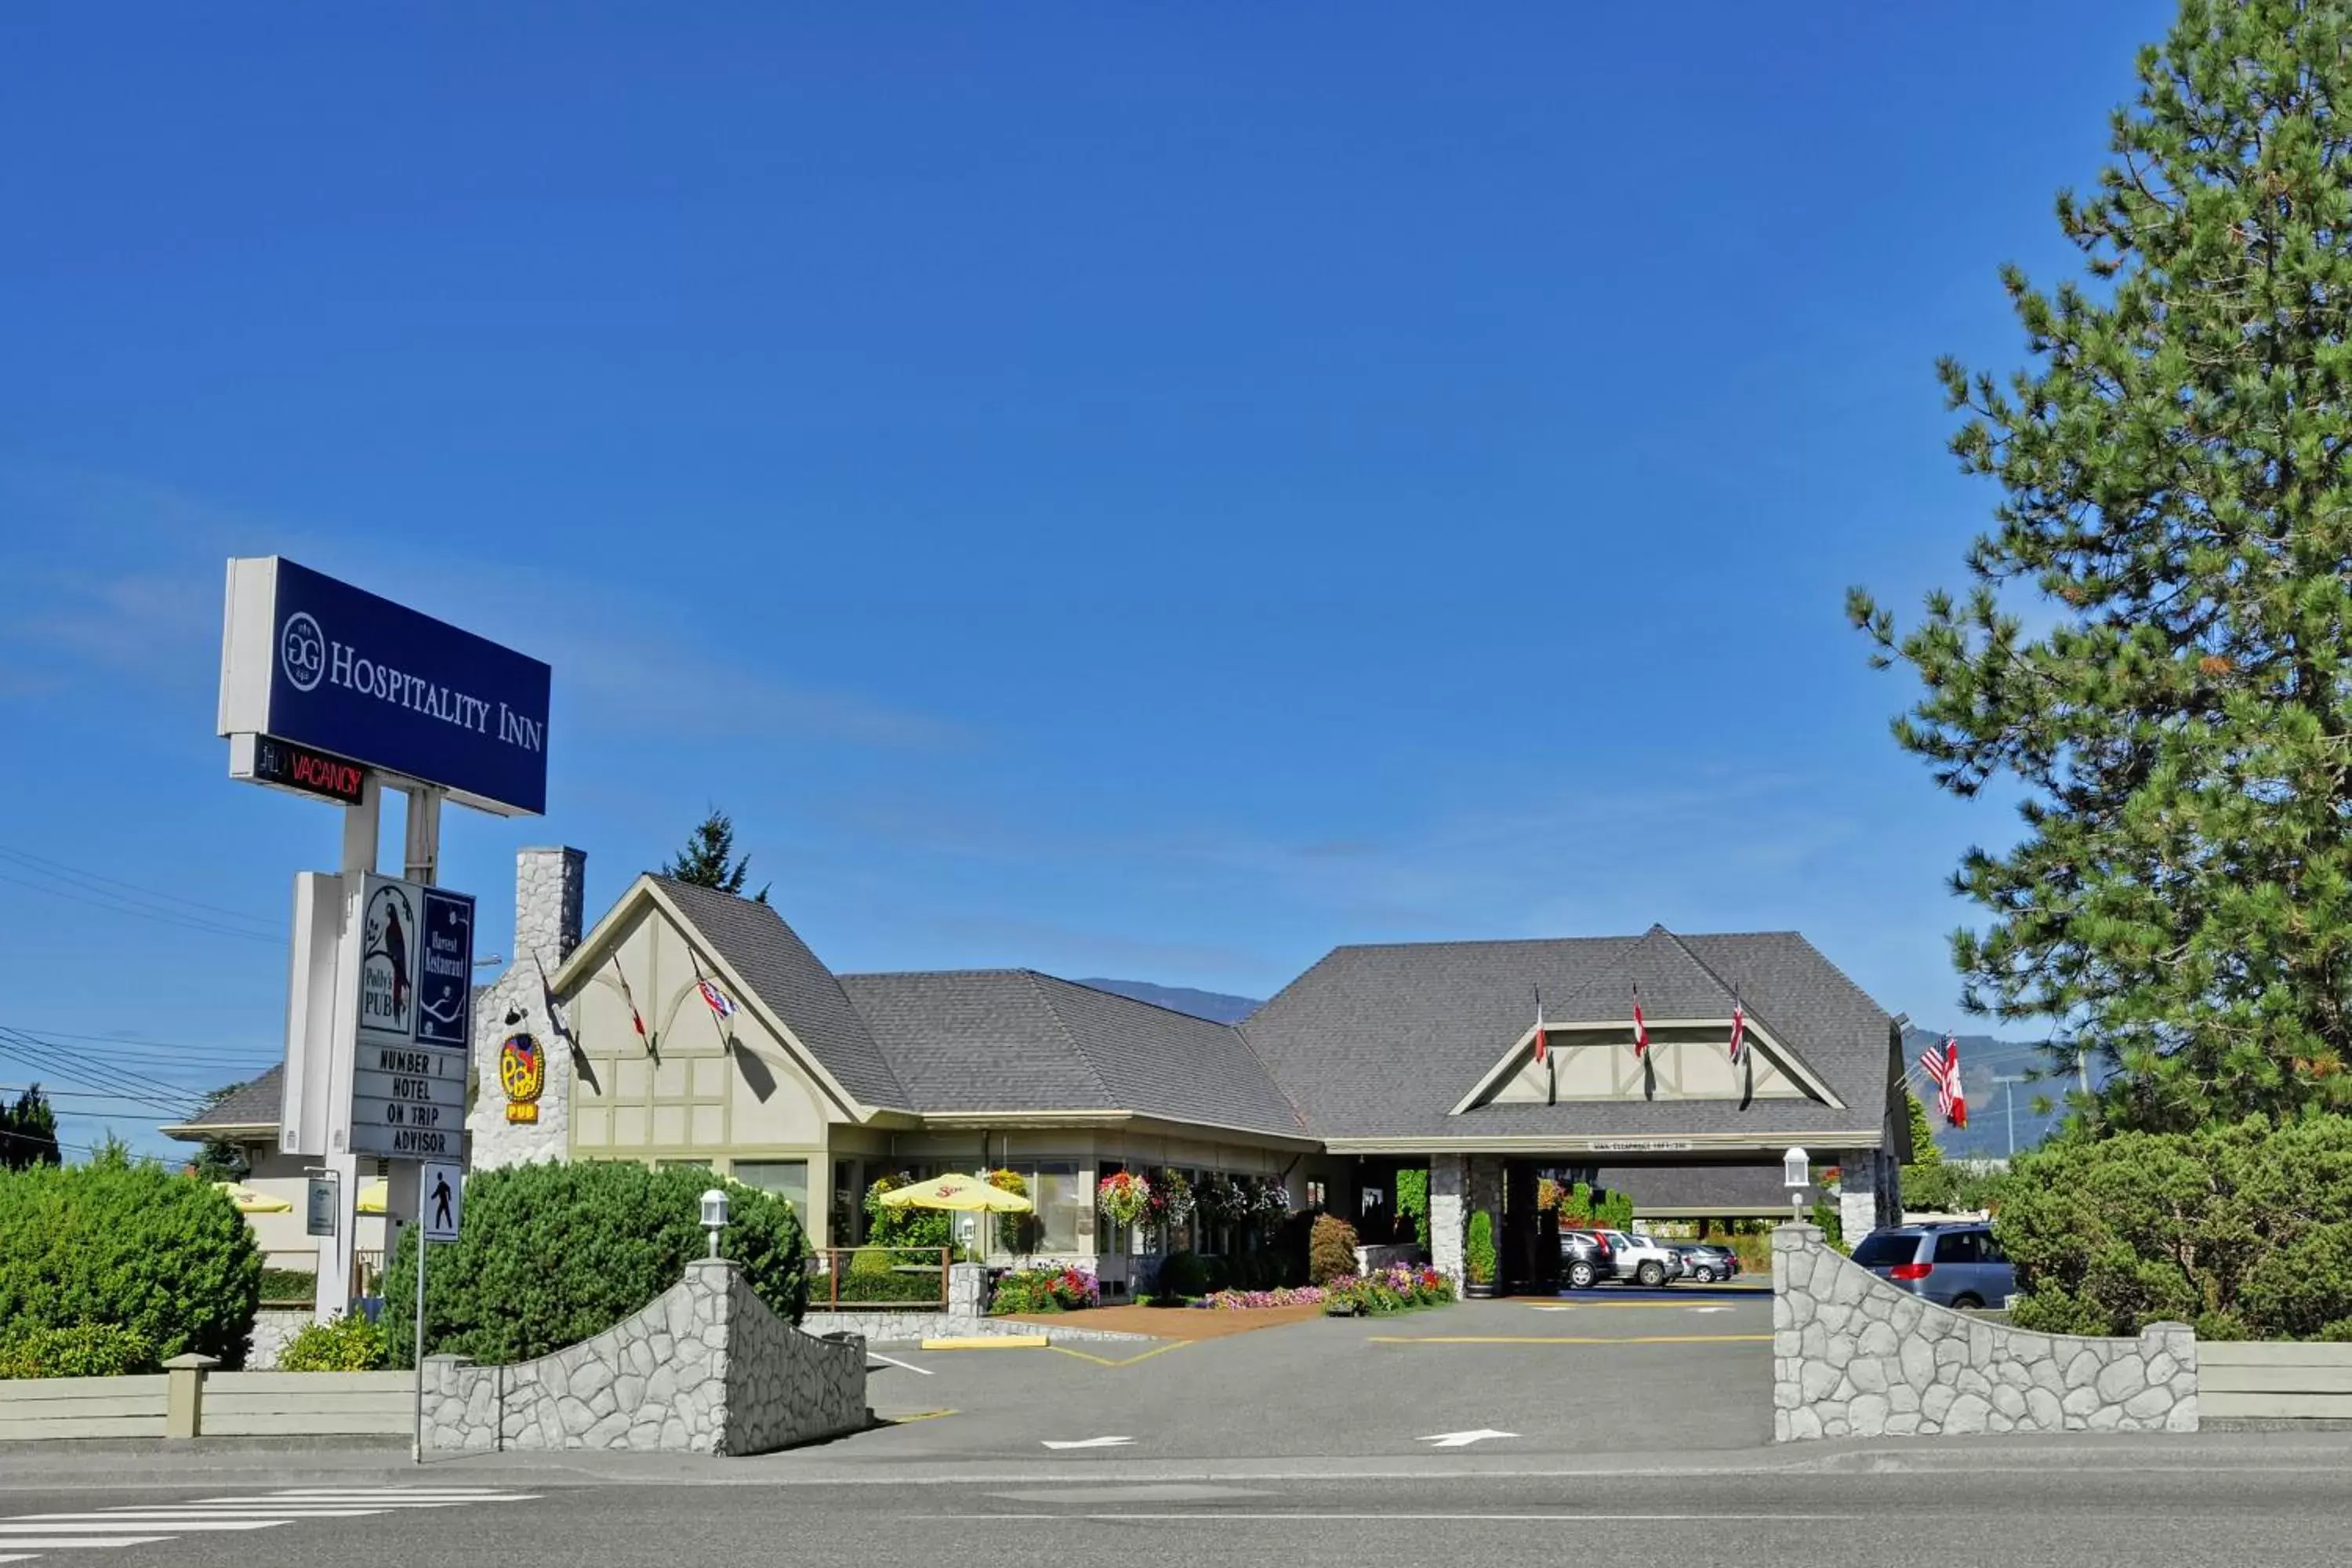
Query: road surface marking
44, 1524
1710, 1309
918, 1415
1216, 1516
904, 1365
80, 1542
1569, 1339
1130, 1360
142, 1524
1090, 1443
1463, 1439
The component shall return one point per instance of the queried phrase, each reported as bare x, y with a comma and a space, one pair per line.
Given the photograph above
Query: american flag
1738, 1031
718, 1001
1942, 1066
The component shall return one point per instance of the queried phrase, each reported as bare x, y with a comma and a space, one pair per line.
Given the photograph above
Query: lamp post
714, 1216
1796, 1172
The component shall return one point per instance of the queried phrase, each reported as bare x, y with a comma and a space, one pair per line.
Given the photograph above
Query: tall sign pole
440, 1211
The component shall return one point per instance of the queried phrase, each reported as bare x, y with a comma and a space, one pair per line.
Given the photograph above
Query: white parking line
78, 1543
103, 1524
908, 1366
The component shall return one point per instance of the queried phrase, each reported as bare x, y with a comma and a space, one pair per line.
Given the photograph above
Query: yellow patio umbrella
375, 1196
249, 1200
968, 1194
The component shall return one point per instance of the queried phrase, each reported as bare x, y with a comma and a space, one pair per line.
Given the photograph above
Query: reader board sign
411, 957
315, 662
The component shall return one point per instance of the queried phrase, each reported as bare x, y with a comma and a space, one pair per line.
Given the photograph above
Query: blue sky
1147, 493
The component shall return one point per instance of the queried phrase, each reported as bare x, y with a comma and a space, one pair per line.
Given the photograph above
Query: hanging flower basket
1222, 1201
1124, 1197
1270, 1199
1171, 1198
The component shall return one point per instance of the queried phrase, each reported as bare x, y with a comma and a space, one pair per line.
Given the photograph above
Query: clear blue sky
1155, 493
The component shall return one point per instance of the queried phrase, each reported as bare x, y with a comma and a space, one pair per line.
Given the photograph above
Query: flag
1738, 1031
1542, 1047
634, 1017
718, 1001
1943, 1069
1641, 1029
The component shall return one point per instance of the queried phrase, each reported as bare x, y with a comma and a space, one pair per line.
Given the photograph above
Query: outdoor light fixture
714, 1216
1796, 1171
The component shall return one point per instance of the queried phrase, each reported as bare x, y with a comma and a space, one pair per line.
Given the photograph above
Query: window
847, 1209
1960, 1246
1059, 1198
787, 1179
1887, 1249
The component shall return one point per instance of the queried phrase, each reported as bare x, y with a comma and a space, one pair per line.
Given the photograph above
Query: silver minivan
1952, 1265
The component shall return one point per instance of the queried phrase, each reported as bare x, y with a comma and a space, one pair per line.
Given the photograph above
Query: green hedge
349, 1344
86, 1350
552, 1254
166, 1258
2244, 1231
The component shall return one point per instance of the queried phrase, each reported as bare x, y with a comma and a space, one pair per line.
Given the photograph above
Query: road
2279, 1505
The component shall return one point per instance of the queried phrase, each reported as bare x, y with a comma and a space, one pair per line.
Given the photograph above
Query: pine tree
2176, 490
28, 1132
708, 859
1923, 1132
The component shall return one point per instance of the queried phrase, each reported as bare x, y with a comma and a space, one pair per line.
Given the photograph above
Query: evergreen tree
1923, 1132
708, 859
28, 1132
2177, 470
218, 1160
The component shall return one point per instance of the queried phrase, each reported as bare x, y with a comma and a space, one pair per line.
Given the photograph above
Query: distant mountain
1215, 1005
1983, 1061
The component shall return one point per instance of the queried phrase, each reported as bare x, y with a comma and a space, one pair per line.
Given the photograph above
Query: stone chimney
549, 885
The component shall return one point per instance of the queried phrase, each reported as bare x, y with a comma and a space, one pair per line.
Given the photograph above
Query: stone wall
1449, 1184
550, 885
704, 1368
273, 1328
1853, 1356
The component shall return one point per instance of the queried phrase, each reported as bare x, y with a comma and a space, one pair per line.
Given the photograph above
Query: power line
59, 868
78, 1069
161, 917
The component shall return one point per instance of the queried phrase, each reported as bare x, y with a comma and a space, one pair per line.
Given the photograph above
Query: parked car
1586, 1259
1952, 1265
1642, 1259
1705, 1263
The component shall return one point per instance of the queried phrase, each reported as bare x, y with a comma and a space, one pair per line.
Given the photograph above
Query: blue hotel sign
320, 663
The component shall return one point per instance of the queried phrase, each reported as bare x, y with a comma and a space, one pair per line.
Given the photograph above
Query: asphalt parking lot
1669, 1371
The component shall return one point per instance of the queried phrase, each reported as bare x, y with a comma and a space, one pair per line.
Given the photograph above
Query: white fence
2274, 1381
47, 1407
210, 1404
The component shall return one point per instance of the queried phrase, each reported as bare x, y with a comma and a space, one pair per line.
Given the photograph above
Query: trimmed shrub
2244, 1231
289, 1286
1330, 1249
1479, 1251
349, 1344
551, 1254
166, 1258
86, 1350
877, 1275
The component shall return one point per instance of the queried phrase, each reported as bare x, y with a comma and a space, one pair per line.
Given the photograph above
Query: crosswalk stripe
390, 1491
78, 1543
158, 1515
97, 1525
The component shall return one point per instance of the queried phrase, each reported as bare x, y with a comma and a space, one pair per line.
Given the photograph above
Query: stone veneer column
1861, 1191
550, 885
1449, 1182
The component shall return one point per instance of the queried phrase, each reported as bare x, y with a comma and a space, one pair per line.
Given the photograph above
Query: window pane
1887, 1249
1054, 1189
1962, 1247
787, 1179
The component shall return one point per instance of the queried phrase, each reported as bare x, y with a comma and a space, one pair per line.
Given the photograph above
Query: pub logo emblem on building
523, 1073
387, 961
302, 649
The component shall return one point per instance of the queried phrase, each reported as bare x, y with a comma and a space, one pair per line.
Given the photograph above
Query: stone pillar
1860, 1189
966, 1292
550, 886
183, 1395
1449, 1184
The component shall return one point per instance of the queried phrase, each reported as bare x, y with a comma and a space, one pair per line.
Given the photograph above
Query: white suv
1642, 1260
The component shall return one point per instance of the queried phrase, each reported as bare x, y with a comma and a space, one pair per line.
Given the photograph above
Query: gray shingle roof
1382, 1041
253, 1104
794, 984
1012, 1039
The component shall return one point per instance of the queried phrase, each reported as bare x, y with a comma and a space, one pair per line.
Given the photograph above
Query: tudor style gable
1688, 1059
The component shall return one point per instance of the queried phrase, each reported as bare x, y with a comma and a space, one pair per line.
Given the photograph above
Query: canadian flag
1543, 1045
1942, 1066
1738, 1031
1641, 1029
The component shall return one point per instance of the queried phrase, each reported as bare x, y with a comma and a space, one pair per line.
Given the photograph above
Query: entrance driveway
1630, 1374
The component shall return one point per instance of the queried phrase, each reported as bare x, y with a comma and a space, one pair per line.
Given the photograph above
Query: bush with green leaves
349, 1344
551, 1254
1413, 1202
1330, 1249
162, 1256
877, 1276
2242, 1230
905, 1226
1182, 1275
1478, 1252
85, 1350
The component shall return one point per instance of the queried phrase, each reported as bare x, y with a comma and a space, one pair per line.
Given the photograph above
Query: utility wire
60, 868
77, 1068
161, 917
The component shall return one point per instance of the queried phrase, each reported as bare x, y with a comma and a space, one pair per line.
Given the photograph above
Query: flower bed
1253, 1301
1045, 1291
1396, 1288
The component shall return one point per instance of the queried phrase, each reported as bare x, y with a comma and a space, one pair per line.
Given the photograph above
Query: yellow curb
990, 1342
1130, 1360
918, 1415
1569, 1339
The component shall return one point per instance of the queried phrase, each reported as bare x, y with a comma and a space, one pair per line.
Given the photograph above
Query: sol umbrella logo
523, 1073
302, 649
